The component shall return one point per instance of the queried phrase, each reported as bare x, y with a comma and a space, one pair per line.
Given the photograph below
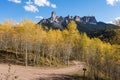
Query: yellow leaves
54, 37
84, 40
27, 29
65, 33
59, 36
26, 23
51, 36
72, 27
2, 30
8, 24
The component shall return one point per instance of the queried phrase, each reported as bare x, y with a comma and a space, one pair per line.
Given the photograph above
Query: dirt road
33, 73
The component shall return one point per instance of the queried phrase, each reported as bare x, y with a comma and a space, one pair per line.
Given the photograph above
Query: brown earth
38, 73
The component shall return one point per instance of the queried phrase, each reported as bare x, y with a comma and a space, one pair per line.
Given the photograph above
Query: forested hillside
88, 24
30, 44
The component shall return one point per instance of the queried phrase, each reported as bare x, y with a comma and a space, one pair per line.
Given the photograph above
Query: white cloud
42, 2
118, 18
29, 2
115, 21
53, 5
39, 17
110, 22
15, 1
31, 8
112, 2
33, 5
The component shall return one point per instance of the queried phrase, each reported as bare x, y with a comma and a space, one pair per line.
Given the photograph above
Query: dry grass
10, 75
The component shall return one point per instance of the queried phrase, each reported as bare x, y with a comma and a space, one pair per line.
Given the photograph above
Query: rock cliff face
61, 22
89, 19
87, 24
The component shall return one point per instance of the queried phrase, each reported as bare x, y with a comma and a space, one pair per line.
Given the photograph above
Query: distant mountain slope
61, 22
86, 24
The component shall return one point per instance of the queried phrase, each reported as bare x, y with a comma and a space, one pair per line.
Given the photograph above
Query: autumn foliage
40, 46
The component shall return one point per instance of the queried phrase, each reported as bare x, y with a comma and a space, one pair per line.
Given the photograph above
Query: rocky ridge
60, 22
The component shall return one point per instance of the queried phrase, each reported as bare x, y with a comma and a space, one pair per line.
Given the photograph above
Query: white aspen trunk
26, 56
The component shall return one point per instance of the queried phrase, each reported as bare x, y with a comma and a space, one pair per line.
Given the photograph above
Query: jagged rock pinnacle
61, 22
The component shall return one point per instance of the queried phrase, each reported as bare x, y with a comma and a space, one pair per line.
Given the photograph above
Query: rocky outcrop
77, 19
61, 22
89, 19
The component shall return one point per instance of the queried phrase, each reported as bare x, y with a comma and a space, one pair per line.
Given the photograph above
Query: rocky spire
61, 22
53, 16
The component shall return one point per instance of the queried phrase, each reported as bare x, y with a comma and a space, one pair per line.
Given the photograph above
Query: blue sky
17, 10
